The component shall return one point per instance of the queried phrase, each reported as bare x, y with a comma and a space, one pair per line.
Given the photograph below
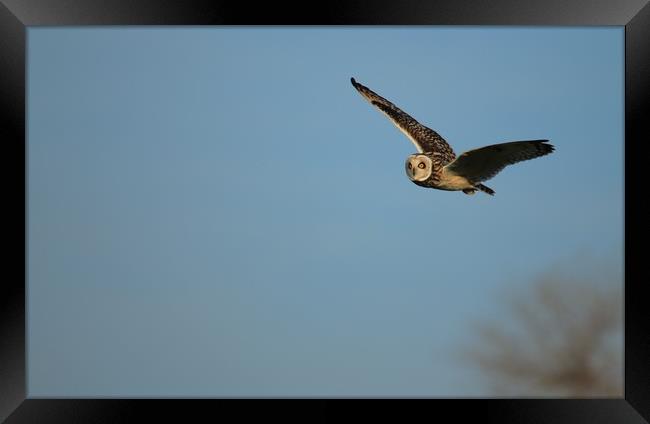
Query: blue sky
217, 212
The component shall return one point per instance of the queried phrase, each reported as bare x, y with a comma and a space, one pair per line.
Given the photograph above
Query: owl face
418, 167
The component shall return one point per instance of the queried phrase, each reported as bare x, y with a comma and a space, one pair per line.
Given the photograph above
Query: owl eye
410, 166
421, 165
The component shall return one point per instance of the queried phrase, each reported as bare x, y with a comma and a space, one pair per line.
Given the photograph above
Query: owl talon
469, 191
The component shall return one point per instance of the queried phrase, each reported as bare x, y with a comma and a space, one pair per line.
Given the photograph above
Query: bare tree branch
564, 339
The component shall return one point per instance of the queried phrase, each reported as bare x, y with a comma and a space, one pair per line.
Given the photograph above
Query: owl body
428, 170
436, 165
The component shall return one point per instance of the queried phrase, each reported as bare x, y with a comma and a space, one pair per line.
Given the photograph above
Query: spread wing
425, 139
484, 163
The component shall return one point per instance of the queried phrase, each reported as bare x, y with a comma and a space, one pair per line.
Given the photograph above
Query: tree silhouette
562, 339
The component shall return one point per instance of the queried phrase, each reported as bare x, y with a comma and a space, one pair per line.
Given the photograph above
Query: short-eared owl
436, 165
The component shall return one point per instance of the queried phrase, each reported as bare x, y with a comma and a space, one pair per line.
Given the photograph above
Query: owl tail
485, 189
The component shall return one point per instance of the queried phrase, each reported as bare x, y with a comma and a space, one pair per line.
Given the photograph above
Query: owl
436, 165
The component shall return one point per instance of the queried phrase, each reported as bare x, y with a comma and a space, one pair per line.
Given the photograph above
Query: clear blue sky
217, 212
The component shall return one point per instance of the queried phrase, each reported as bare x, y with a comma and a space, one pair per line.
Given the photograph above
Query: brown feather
484, 163
425, 139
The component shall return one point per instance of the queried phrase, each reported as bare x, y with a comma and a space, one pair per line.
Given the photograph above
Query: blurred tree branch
563, 339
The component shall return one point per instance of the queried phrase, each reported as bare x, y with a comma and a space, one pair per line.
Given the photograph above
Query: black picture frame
17, 15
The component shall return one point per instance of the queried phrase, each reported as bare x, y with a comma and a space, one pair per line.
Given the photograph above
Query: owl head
418, 167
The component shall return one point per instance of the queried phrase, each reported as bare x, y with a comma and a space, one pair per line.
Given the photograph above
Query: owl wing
484, 163
425, 139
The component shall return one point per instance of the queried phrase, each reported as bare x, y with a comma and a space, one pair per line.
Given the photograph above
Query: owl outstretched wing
484, 163
425, 139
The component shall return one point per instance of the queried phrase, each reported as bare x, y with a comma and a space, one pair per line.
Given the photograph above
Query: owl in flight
436, 165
